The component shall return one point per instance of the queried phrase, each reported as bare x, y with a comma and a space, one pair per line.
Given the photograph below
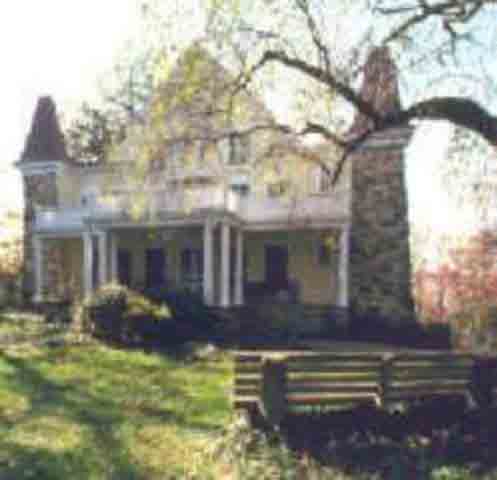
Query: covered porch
219, 258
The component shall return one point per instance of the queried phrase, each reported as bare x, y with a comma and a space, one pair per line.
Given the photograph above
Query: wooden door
124, 266
155, 264
277, 267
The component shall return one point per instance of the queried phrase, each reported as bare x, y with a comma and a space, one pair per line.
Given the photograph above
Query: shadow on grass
98, 413
100, 417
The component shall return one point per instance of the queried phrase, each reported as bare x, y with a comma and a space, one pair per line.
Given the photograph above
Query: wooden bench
413, 376
273, 382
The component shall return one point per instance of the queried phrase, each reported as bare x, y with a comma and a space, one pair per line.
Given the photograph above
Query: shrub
475, 327
121, 315
188, 309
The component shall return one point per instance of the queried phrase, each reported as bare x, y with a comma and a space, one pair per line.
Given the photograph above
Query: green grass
25, 325
93, 412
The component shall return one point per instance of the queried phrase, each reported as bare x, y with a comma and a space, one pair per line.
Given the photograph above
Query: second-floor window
278, 189
176, 153
324, 182
242, 189
238, 150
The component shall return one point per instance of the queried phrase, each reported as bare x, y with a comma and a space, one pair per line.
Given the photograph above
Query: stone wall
39, 190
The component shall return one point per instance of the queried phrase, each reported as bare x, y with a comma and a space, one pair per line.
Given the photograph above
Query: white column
208, 264
37, 269
239, 294
102, 258
87, 263
225, 265
113, 258
343, 268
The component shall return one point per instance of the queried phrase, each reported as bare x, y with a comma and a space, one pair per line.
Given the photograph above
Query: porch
218, 258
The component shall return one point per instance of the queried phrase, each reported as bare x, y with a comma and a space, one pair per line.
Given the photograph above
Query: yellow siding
69, 189
317, 283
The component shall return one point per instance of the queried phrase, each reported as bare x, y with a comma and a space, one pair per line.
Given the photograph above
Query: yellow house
195, 199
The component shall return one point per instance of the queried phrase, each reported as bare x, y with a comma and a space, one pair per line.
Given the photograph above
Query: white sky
55, 47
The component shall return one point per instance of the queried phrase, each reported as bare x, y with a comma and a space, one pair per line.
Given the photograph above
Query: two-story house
187, 202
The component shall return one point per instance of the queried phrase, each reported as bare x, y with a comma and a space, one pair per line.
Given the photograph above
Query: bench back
325, 379
419, 375
348, 379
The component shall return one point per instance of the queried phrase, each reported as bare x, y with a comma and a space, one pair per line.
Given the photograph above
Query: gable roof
45, 141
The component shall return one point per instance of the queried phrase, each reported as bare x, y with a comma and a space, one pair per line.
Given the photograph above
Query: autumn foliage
468, 279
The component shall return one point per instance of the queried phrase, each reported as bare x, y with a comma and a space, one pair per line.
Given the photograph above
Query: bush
124, 316
121, 315
475, 327
188, 309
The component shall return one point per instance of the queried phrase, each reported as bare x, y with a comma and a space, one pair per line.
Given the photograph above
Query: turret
42, 161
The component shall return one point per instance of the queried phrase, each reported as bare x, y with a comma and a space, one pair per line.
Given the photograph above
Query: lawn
89, 411
24, 326
93, 412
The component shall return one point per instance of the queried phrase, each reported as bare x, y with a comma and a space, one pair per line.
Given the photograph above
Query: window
277, 189
176, 152
243, 189
324, 251
155, 266
192, 268
323, 180
89, 198
238, 150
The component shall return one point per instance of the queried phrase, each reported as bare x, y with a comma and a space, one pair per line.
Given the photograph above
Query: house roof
45, 141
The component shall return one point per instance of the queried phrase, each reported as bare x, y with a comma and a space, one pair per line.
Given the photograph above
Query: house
236, 219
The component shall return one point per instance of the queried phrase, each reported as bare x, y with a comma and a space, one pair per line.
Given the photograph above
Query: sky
54, 47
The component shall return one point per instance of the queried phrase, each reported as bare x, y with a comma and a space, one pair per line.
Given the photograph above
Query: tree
420, 30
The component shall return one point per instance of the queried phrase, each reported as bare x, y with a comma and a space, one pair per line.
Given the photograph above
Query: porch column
208, 283
225, 265
113, 258
87, 263
37, 268
239, 297
343, 268
102, 258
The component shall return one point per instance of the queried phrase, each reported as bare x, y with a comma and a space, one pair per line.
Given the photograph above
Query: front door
277, 267
124, 266
155, 265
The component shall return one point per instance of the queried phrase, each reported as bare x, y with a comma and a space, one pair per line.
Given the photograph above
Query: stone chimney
380, 276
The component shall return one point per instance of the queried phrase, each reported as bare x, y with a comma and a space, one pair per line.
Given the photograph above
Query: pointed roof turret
45, 141
380, 87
